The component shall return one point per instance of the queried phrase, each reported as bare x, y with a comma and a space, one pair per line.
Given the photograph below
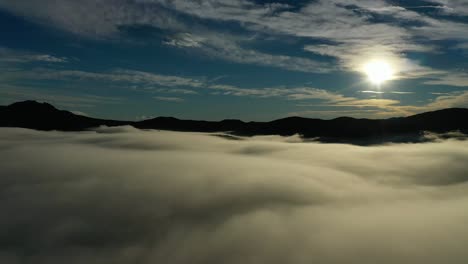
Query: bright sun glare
378, 72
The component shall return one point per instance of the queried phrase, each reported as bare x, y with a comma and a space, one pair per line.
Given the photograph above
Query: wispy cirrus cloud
453, 7
452, 78
166, 84
169, 99
230, 47
8, 55
104, 18
383, 92
356, 38
453, 99
184, 40
118, 75
352, 30
90, 18
169, 83
175, 90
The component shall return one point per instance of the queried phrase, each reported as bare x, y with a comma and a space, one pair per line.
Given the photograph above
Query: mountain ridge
44, 116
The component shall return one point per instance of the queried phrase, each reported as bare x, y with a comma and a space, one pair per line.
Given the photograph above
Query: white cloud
346, 24
120, 75
454, 99
373, 92
382, 92
453, 7
451, 78
169, 99
172, 84
125, 196
355, 37
92, 18
175, 90
230, 50
183, 40
102, 19
8, 55
230, 47
48, 58
167, 84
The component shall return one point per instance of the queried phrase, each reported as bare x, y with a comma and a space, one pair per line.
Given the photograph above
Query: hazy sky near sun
122, 195
253, 60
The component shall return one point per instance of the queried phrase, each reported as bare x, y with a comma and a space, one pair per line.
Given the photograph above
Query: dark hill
43, 116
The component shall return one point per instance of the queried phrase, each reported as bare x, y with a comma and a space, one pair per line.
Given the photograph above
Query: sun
378, 71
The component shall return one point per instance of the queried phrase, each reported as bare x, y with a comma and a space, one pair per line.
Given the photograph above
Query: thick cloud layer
121, 195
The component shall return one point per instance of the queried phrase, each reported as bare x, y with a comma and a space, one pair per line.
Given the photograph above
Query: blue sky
252, 60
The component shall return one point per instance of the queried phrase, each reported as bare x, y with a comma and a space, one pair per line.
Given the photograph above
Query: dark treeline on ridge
43, 116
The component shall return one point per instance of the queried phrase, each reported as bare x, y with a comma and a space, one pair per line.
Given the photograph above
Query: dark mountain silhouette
43, 116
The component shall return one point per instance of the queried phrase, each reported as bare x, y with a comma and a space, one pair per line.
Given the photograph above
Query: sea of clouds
122, 195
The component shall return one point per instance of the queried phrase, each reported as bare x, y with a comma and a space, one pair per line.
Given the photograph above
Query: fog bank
123, 195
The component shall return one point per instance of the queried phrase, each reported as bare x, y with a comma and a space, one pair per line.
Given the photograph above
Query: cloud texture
122, 195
